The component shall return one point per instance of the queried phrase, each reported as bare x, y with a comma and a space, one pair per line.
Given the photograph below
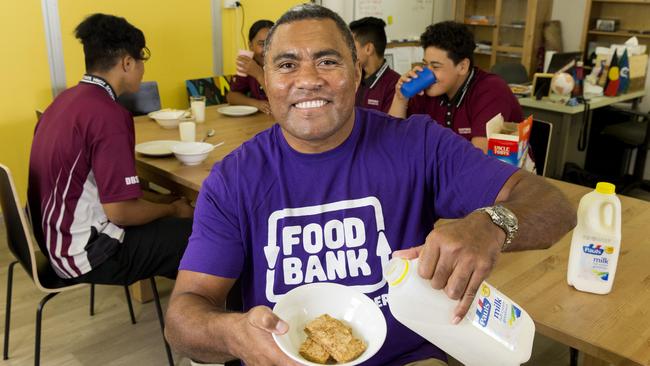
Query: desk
186, 180
613, 327
567, 122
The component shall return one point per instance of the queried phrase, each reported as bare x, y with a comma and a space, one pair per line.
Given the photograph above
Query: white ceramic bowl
192, 153
302, 304
168, 118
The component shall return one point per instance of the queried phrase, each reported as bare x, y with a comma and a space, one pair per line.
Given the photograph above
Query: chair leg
129, 303
39, 316
92, 299
10, 282
161, 320
573, 356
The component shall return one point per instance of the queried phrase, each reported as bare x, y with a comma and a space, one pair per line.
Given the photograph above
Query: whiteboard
405, 19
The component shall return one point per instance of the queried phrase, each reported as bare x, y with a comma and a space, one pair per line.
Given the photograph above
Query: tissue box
508, 141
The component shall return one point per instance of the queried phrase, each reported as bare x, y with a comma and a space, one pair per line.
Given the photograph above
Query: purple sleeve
461, 176
240, 84
112, 157
492, 96
215, 246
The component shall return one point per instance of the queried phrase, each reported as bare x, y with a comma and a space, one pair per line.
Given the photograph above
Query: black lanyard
96, 80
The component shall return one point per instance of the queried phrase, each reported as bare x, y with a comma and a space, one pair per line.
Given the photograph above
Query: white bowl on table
168, 118
192, 153
307, 302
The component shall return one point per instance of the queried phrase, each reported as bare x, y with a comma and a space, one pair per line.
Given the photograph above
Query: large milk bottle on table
495, 331
596, 241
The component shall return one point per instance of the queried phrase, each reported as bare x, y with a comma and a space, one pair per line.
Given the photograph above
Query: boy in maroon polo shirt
249, 89
464, 97
378, 80
83, 186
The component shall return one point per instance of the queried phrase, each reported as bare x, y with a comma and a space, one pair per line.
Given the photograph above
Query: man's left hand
458, 256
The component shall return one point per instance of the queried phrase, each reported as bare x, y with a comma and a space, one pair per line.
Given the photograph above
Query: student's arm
238, 98
481, 143
139, 212
198, 326
458, 256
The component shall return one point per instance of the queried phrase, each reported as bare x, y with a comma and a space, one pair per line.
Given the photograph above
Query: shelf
480, 25
511, 49
509, 55
513, 26
619, 34
483, 53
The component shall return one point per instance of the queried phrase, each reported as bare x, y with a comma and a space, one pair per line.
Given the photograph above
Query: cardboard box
508, 141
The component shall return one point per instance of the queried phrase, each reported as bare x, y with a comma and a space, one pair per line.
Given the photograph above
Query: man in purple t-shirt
247, 87
83, 187
464, 97
330, 193
378, 80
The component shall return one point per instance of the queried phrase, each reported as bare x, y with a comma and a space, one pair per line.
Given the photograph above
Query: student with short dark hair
83, 186
378, 80
249, 89
464, 97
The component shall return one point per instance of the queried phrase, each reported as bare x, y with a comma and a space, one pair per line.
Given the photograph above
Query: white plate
237, 110
156, 148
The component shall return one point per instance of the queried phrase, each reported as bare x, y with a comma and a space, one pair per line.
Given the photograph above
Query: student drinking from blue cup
463, 97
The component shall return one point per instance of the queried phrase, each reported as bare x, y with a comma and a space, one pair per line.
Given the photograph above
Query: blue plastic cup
425, 79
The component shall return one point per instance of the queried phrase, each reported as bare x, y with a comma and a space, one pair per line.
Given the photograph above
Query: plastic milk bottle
495, 331
596, 241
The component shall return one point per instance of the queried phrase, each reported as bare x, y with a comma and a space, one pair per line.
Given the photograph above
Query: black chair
146, 100
38, 267
511, 72
540, 144
633, 134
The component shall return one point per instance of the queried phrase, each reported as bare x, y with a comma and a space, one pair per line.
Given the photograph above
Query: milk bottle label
595, 258
495, 315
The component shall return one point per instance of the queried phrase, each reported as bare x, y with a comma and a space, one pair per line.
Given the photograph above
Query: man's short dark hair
370, 29
453, 37
106, 38
258, 26
312, 11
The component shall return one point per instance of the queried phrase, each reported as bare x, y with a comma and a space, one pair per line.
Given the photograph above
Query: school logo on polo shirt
340, 241
132, 180
374, 102
465, 130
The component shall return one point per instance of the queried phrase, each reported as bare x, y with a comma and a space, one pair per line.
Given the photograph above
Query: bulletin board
406, 19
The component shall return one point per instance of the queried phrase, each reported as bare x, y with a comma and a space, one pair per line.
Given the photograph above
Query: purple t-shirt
482, 97
277, 218
82, 156
249, 86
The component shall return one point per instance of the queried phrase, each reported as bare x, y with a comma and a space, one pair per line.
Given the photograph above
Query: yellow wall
178, 33
25, 84
179, 36
231, 25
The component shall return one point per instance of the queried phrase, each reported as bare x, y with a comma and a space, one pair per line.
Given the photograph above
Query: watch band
505, 219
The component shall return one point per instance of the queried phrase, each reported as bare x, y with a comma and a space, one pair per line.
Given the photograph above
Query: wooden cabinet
632, 19
505, 30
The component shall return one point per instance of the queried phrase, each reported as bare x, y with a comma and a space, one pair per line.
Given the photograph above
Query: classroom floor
72, 337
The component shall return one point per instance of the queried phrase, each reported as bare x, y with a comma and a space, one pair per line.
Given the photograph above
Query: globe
562, 84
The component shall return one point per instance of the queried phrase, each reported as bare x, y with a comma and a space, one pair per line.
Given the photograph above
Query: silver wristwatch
505, 219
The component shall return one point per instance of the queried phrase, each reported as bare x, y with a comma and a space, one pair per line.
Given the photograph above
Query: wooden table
186, 180
613, 327
567, 124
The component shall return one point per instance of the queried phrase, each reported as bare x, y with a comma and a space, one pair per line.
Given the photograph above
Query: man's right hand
182, 208
253, 342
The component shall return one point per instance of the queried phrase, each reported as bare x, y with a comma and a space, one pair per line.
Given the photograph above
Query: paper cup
187, 131
244, 53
